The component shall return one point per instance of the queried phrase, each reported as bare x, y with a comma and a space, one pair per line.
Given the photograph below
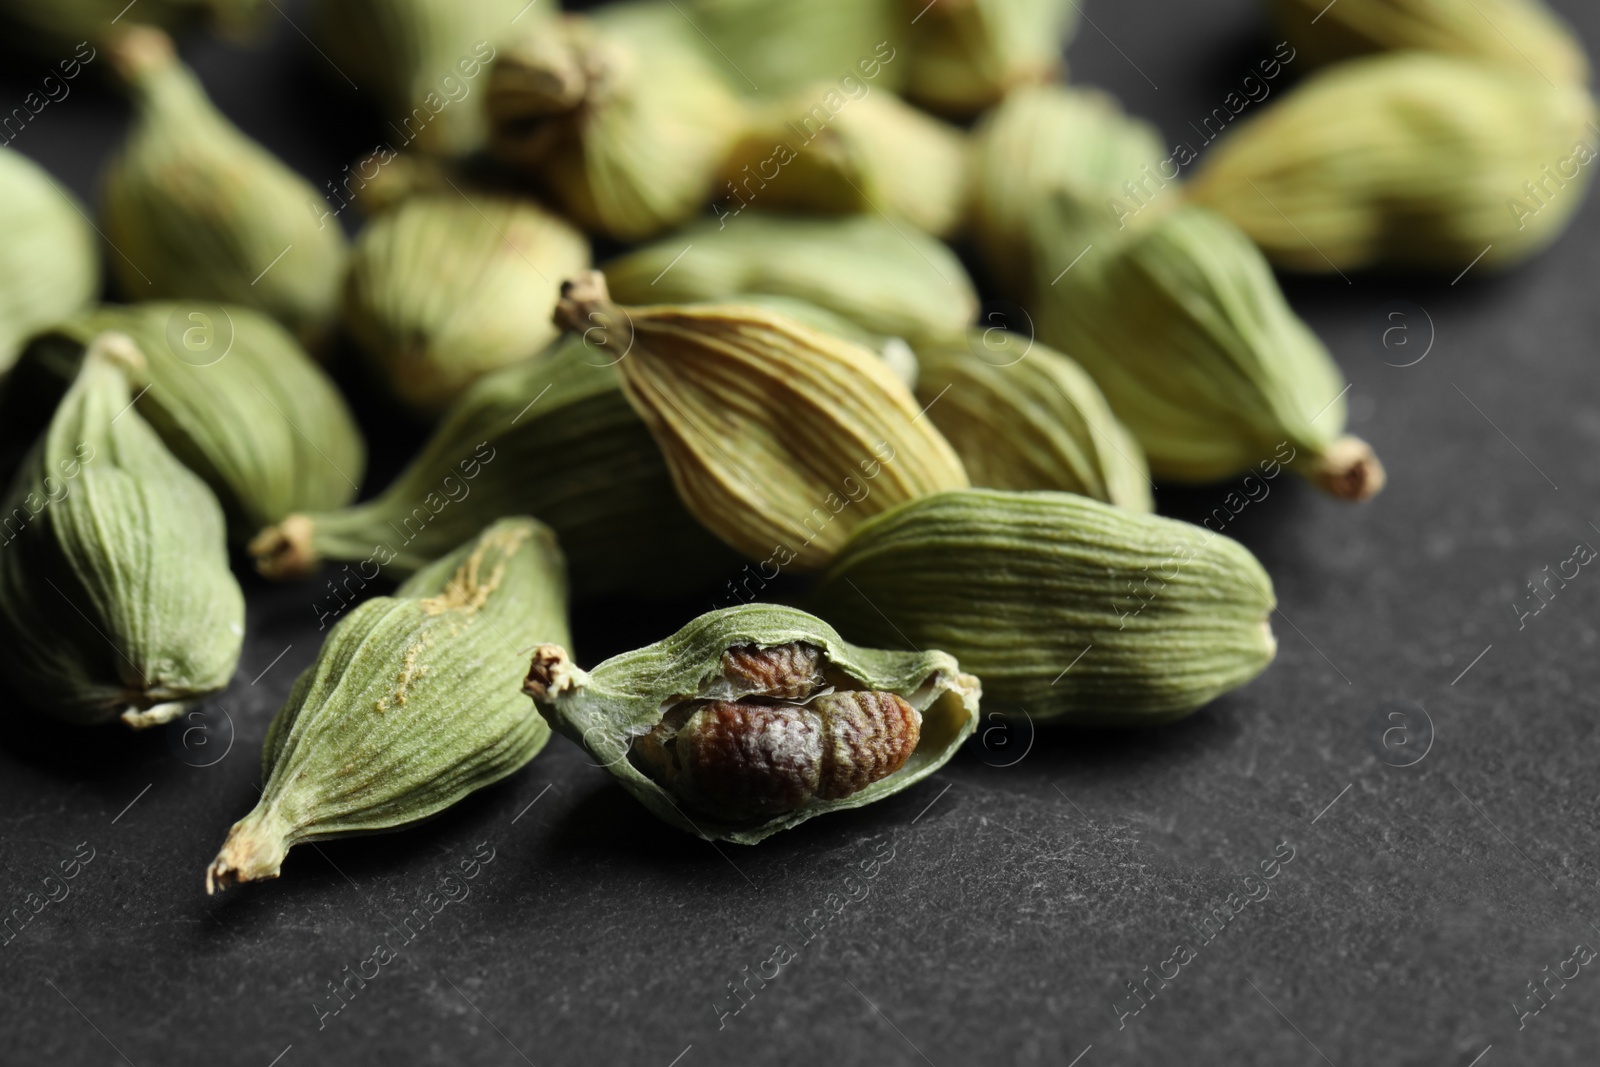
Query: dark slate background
1034, 875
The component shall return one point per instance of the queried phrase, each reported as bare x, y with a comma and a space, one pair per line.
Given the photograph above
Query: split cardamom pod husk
194, 209
753, 719
774, 47
552, 436
53, 28
1408, 160
968, 54
115, 594
49, 260
1185, 330
781, 439
888, 278
1023, 416
412, 703
618, 116
1522, 35
823, 151
1067, 608
229, 392
444, 289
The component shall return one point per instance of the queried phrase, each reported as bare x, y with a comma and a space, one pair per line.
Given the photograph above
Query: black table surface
1416, 769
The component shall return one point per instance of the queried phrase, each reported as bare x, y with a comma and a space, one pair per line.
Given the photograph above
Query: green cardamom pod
893, 350
552, 436
228, 390
780, 438
1023, 416
115, 594
968, 54
886, 277
774, 47
50, 258
1406, 160
753, 719
54, 28
444, 289
412, 703
195, 209
1067, 608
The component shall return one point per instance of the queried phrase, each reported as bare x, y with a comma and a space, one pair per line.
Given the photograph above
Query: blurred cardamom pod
412, 703
968, 54
229, 392
773, 47
1067, 608
781, 439
444, 289
115, 594
195, 209
618, 116
888, 278
1409, 160
49, 260
753, 719
51, 28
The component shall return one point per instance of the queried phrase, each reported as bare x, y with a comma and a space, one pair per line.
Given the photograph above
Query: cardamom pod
115, 594
1409, 160
552, 436
968, 54
195, 209
229, 392
411, 704
618, 116
893, 350
780, 438
1023, 416
1067, 608
444, 289
774, 47
886, 277
753, 719
49, 261
52, 28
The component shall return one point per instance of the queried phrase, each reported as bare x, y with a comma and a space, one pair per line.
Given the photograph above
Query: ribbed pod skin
50, 258
967, 54
772, 47
1066, 608
412, 703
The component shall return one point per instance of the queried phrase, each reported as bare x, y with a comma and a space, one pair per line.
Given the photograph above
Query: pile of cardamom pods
778, 372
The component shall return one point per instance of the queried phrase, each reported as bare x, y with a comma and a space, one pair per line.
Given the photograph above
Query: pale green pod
773, 47
53, 29
753, 719
115, 594
967, 54
1069, 609
194, 209
49, 260
412, 703
887, 277
1023, 416
1408, 160
446, 288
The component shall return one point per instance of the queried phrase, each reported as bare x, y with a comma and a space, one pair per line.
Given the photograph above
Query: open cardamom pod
54, 28
195, 209
50, 258
1407, 160
229, 392
886, 277
753, 719
780, 438
1023, 416
411, 704
773, 47
967, 54
1067, 608
115, 594
617, 115
444, 289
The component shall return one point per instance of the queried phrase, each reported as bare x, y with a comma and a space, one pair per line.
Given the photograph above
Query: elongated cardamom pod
444, 289
752, 719
228, 390
552, 436
1067, 608
780, 438
619, 117
1184, 328
115, 594
821, 150
1409, 160
195, 209
886, 277
49, 260
1023, 416
894, 351
411, 704
967, 54
773, 47
54, 29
